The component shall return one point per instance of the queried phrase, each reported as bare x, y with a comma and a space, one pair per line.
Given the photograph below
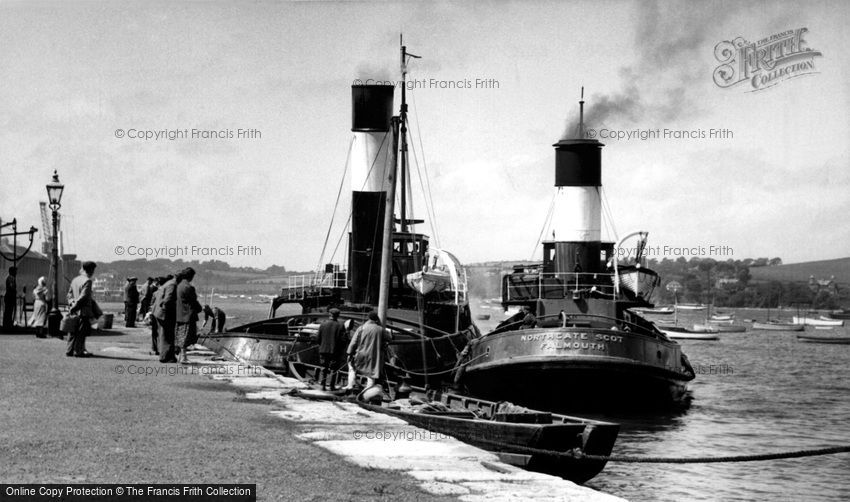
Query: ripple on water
776, 395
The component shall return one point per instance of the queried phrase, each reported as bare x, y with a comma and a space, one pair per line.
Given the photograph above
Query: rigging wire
427, 193
348, 220
546, 222
607, 208
336, 206
429, 204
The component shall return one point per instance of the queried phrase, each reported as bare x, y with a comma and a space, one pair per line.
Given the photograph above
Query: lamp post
54, 195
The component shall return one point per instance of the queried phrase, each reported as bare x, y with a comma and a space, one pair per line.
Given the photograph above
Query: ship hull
565, 369
288, 345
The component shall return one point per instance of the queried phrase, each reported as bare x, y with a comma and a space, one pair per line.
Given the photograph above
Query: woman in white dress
39, 308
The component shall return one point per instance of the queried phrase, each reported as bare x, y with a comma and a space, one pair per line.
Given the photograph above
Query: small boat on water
728, 328
656, 311
819, 321
778, 326
841, 340
500, 427
690, 306
680, 333
715, 322
840, 314
724, 317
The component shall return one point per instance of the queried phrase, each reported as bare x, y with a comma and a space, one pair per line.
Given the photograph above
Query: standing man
83, 305
165, 314
331, 340
367, 347
155, 298
188, 309
148, 289
10, 299
131, 302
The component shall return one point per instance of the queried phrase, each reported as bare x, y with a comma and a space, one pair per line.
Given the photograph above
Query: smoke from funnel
375, 73
672, 42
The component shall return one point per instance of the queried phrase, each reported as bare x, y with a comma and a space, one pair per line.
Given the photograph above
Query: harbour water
755, 392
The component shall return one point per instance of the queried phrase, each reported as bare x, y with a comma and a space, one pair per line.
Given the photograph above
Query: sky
81, 78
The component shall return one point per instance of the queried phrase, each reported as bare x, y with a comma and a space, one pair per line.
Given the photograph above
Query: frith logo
765, 63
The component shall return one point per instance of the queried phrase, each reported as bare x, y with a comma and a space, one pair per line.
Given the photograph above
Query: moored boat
655, 311
503, 428
419, 290
690, 306
680, 333
841, 340
578, 344
819, 321
839, 314
730, 328
778, 326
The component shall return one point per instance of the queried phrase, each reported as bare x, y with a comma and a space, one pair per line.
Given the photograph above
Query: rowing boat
543, 442
842, 340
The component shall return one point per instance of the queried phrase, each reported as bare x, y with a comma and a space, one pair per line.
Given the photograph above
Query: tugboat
423, 295
579, 342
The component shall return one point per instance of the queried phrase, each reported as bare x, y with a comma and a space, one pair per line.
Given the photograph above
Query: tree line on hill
703, 280
208, 274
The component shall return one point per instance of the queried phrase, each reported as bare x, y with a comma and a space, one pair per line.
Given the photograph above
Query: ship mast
403, 122
387, 245
389, 209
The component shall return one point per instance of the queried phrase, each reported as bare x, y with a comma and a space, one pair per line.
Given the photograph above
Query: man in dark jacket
155, 298
131, 302
331, 347
148, 289
218, 318
83, 305
188, 309
10, 299
165, 313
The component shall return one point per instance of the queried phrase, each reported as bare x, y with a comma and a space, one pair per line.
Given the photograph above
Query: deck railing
534, 285
540, 285
300, 286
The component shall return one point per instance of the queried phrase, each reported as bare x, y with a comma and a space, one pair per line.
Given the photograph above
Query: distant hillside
212, 274
760, 282
800, 272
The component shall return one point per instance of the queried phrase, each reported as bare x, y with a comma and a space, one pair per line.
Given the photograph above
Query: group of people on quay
364, 352
11, 300
169, 304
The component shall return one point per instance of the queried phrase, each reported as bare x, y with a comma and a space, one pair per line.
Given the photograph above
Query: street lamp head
54, 192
